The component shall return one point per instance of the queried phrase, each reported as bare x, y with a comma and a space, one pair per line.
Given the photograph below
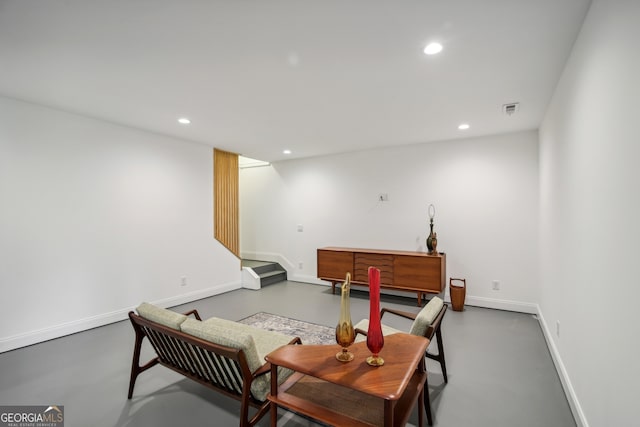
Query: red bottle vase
375, 339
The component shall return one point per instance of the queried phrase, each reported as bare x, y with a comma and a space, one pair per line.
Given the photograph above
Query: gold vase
345, 334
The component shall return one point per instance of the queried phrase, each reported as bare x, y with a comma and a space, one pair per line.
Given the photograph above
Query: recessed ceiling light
293, 59
184, 121
464, 126
286, 151
433, 48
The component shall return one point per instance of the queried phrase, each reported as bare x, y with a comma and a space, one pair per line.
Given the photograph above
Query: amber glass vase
345, 334
375, 340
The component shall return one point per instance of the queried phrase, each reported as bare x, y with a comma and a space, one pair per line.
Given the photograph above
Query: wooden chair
427, 322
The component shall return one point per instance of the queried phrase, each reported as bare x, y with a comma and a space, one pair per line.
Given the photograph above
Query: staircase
269, 272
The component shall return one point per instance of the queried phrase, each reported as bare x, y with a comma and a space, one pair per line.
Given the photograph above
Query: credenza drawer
382, 262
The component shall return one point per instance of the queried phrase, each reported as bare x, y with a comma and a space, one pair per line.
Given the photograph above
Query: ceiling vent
511, 109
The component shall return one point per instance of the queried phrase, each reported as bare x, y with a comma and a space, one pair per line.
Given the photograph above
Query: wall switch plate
495, 285
300, 265
300, 228
183, 281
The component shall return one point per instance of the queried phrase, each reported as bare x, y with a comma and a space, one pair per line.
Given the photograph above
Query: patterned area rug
309, 333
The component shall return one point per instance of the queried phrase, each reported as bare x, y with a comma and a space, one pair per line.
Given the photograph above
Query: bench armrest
194, 312
266, 368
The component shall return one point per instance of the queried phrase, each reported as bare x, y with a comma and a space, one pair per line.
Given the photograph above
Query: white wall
484, 189
96, 218
589, 216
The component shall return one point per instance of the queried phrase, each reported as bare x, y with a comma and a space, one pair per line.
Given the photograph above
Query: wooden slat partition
225, 200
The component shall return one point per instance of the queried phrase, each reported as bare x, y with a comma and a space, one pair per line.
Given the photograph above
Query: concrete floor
500, 370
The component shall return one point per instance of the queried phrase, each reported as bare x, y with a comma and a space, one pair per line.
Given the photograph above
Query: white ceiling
316, 77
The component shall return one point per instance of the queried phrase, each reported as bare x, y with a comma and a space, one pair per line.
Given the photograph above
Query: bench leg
136, 369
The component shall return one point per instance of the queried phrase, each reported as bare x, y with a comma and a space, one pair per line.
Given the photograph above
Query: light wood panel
225, 200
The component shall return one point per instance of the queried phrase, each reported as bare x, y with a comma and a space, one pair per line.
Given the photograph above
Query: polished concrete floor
500, 370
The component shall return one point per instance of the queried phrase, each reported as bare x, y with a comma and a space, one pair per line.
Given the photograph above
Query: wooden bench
224, 368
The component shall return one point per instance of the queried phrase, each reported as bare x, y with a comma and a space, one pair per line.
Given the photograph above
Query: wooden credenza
402, 270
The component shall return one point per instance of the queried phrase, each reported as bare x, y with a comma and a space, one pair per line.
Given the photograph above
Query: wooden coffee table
352, 393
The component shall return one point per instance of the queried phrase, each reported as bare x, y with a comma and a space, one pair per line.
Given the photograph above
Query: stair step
269, 272
273, 277
266, 268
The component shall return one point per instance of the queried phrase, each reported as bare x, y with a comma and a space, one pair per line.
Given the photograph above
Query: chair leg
440, 356
443, 364
427, 402
421, 408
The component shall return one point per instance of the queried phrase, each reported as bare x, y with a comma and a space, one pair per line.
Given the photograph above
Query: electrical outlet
300, 265
495, 285
558, 328
183, 281
300, 228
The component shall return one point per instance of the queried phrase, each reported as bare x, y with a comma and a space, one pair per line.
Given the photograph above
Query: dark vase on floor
375, 339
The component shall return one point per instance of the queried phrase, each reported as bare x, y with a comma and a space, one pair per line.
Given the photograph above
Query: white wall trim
499, 304
57, 331
308, 279
250, 280
272, 257
572, 398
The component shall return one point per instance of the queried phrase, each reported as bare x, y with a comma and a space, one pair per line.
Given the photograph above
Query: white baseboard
307, 279
572, 398
499, 304
273, 257
521, 307
56, 331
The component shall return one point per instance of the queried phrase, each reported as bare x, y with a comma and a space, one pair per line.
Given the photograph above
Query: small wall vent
510, 109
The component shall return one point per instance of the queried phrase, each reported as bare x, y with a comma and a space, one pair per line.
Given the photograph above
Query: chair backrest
428, 319
435, 325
